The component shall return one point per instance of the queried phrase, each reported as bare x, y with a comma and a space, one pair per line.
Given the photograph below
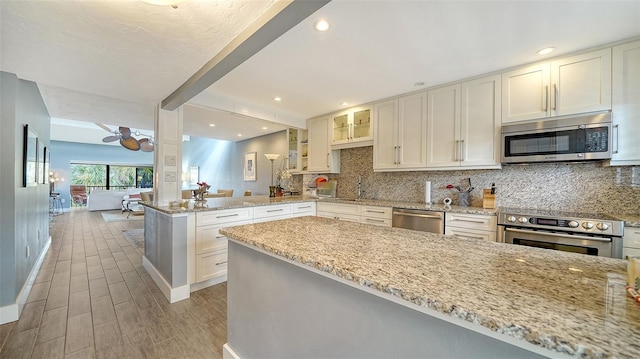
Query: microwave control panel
596, 139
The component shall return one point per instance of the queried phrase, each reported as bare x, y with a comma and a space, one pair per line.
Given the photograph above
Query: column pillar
167, 162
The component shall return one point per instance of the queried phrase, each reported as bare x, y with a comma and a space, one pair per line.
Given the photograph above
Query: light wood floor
93, 299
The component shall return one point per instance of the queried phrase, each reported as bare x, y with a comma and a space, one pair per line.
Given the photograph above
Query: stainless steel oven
570, 232
576, 138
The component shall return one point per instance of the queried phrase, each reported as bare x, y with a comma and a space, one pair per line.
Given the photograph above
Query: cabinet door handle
617, 137
457, 148
370, 211
461, 150
219, 263
352, 131
555, 97
328, 154
228, 215
395, 155
275, 210
399, 156
546, 99
219, 237
374, 220
303, 207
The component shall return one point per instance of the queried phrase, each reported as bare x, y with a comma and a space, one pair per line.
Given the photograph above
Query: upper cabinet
400, 128
320, 157
298, 150
463, 125
570, 85
626, 104
352, 128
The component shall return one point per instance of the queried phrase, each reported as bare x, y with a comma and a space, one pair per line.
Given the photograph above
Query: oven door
596, 246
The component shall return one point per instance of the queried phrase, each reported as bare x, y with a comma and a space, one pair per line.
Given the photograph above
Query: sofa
101, 200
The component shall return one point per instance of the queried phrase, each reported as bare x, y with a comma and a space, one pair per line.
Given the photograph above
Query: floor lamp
272, 157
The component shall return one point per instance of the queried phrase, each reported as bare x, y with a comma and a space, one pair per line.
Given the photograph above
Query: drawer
340, 216
339, 208
223, 216
630, 252
208, 238
270, 211
471, 233
305, 207
631, 237
211, 265
273, 218
376, 212
473, 221
384, 222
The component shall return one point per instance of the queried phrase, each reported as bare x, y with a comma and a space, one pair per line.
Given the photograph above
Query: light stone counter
567, 303
219, 203
413, 205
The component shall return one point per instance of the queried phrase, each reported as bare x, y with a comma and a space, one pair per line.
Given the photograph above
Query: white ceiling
112, 61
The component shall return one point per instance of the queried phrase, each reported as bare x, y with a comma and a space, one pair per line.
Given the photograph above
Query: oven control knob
511, 218
587, 225
602, 226
523, 220
573, 224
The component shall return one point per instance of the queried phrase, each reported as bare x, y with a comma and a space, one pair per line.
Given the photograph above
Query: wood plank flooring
93, 299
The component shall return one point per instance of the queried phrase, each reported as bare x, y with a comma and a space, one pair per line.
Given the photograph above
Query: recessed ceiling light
321, 25
264, 127
277, 99
212, 125
239, 135
345, 104
418, 84
545, 51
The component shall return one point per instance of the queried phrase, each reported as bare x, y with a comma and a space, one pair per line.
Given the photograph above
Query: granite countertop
565, 302
629, 220
219, 203
413, 205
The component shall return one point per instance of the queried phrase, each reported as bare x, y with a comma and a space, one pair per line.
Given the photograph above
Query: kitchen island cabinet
314, 287
184, 248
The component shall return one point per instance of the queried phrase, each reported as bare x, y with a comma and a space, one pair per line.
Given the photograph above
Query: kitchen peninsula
316, 287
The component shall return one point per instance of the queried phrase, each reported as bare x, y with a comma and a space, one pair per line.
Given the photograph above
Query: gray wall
221, 163
63, 153
24, 211
584, 187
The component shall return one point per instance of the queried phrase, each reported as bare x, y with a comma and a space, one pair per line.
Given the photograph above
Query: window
116, 177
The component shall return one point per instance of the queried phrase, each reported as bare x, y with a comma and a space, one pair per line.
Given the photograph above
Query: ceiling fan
124, 135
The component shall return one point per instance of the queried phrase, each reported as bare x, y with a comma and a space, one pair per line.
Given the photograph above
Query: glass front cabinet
298, 150
352, 128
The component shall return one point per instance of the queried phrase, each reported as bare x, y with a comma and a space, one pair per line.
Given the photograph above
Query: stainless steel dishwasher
418, 220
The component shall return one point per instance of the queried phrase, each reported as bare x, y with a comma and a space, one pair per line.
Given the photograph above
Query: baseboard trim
228, 353
11, 313
172, 294
208, 283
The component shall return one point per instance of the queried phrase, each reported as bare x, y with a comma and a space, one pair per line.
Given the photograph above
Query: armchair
78, 194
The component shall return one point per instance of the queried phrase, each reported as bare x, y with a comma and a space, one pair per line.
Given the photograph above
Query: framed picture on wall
45, 165
30, 158
250, 166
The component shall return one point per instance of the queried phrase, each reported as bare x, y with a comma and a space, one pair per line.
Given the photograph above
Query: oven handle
559, 235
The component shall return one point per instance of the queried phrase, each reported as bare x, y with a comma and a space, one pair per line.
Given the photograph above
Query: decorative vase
272, 191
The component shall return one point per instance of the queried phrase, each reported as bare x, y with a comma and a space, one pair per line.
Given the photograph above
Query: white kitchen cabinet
293, 155
321, 159
302, 209
476, 226
570, 85
626, 104
341, 211
377, 216
374, 215
631, 242
211, 246
463, 125
352, 128
400, 131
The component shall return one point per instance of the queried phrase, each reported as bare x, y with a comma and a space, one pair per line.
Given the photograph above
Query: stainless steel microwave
570, 138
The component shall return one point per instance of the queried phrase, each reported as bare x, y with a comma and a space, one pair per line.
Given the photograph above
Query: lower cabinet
211, 246
631, 242
379, 216
475, 226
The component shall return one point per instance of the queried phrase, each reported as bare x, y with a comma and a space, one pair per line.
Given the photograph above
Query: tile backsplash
583, 187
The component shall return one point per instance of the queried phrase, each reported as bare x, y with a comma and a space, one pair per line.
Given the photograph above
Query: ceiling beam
278, 19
